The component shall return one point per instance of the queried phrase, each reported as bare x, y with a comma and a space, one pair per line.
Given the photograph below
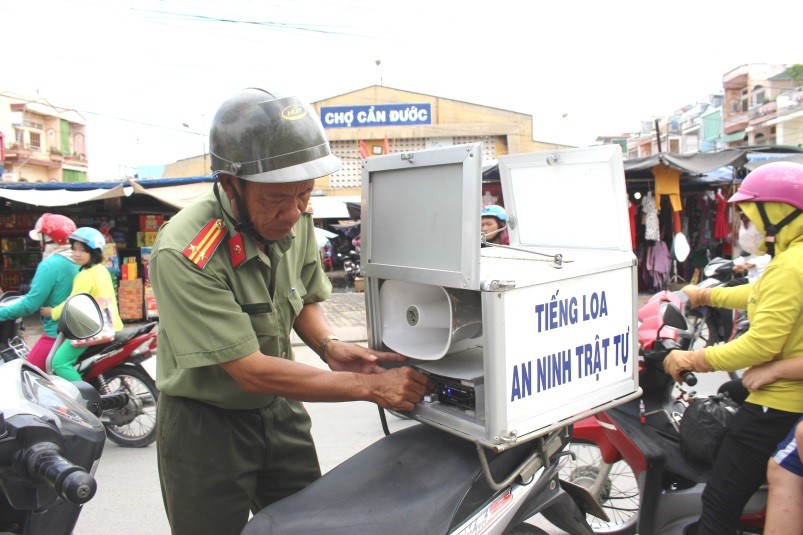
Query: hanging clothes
660, 262
667, 182
652, 229
631, 211
721, 230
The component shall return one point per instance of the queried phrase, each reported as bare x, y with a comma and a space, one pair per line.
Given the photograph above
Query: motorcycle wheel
708, 333
620, 496
142, 393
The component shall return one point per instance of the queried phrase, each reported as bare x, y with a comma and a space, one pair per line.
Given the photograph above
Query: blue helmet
492, 210
90, 237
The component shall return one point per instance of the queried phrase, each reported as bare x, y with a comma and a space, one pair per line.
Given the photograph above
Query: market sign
376, 115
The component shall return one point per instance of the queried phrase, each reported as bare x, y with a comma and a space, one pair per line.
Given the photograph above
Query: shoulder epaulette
203, 246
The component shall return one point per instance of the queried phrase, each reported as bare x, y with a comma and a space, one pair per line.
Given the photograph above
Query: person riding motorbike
87, 246
493, 219
51, 283
771, 203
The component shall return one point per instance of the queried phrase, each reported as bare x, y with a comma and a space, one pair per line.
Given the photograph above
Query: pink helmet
776, 181
57, 227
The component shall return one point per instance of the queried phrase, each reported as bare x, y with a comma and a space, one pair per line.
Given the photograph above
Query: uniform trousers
741, 466
217, 464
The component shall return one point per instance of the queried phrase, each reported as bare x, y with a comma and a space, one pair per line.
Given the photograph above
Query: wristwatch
325, 341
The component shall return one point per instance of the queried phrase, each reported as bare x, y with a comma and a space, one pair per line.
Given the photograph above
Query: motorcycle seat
417, 480
658, 445
120, 339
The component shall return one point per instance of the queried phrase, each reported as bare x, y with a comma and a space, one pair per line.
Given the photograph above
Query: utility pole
658, 134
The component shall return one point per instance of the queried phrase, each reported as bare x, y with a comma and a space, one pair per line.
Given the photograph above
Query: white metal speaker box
519, 340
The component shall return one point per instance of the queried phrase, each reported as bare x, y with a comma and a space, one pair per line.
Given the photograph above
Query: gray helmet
262, 137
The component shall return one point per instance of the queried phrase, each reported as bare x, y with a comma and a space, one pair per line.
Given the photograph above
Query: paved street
128, 500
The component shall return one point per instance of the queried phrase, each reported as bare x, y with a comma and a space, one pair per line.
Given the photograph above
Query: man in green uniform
233, 273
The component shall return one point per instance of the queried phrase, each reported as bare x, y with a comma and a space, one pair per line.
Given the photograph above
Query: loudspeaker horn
422, 321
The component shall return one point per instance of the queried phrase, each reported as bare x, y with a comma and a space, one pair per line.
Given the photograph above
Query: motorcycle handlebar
688, 377
71, 482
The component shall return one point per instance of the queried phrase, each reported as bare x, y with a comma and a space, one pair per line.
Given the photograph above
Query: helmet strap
771, 229
244, 225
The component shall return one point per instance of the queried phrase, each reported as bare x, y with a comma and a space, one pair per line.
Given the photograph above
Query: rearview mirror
81, 318
680, 247
674, 317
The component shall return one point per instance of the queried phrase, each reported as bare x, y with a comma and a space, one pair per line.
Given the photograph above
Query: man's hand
343, 357
398, 389
697, 296
679, 361
761, 375
45, 311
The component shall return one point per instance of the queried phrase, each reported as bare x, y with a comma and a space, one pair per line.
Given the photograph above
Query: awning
697, 163
177, 192
56, 194
736, 136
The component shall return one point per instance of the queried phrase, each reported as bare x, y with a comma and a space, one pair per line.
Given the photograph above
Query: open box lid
573, 199
421, 218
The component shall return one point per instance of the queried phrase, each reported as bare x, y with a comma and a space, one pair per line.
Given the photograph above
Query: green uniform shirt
219, 313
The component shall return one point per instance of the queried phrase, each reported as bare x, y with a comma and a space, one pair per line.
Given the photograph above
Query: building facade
377, 120
760, 104
41, 142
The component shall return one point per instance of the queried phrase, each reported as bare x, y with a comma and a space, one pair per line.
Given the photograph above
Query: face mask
750, 239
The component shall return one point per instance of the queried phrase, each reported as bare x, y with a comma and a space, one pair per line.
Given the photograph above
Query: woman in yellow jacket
771, 203
93, 278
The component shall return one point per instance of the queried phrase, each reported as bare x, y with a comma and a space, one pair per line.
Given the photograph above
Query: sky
148, 75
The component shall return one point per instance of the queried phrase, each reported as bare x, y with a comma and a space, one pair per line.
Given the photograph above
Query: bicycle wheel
619, 496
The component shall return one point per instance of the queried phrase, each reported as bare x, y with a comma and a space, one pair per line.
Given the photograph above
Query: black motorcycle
712, 325
51, 437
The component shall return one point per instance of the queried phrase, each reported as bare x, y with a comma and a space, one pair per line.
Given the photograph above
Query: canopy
59, 193
694, 167
332, 206
322, 236
177, 192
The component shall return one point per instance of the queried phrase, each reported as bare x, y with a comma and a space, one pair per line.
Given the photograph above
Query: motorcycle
117, 367
351, 266
112, 367
712, 325
629, 458
424, 480
51, 438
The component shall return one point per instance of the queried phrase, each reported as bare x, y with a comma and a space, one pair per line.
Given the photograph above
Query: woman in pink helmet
51, 283
770, 201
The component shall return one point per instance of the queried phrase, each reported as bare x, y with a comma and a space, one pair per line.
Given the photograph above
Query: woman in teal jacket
51, 283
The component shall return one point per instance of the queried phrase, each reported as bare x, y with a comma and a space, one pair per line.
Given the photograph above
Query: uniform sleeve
206, 325
778, 307
36, 298
82, 283
732, 297
318, 285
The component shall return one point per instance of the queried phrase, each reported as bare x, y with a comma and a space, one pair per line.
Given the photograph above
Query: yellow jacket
774, 305
97, 282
